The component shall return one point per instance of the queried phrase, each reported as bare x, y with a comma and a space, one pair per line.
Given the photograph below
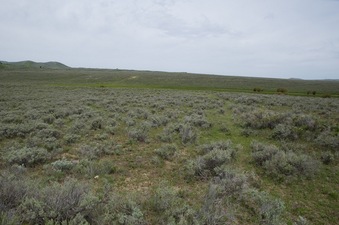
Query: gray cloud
261, 38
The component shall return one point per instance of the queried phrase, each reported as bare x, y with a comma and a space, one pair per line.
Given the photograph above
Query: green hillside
80, 77
30, 64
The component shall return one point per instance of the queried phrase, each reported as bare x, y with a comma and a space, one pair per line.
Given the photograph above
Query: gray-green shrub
91, 169
188, 134
139, 134
281, 164
222, 145
204, 165
63, 165
167, 151
124, 211
170, 207
27, 156
268, 210
215, 209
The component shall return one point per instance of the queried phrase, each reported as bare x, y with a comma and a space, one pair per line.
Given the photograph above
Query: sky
261, 38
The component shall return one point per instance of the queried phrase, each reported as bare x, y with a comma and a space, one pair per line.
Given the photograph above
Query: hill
58, 74
30, 64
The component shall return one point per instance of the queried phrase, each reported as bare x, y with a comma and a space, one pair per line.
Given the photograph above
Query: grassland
88, 146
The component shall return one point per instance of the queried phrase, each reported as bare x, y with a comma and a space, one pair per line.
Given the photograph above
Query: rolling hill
30, 64
55, 73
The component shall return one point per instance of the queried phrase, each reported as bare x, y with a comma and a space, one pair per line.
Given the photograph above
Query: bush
224, 129
27, 156
204, 165
328, 140
282, 164
259, 119
166, 135
262, 153
163, 198
68, 203
166, 151
49, 133
31, 211
222, 145
71, 138
268, 210
63, 165
327, 157
301, 221
8, 219
13, 189
97, 150
214, 209
49, 118
188, 134
171, 208
230, 182
97, 124
122, 211
291, 164
198, 121
284, 132
68, 200
139, 134
94, 168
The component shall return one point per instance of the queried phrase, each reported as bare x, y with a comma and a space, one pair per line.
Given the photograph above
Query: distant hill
31, 64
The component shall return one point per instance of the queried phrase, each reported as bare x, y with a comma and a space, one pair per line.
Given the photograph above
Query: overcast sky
265, 38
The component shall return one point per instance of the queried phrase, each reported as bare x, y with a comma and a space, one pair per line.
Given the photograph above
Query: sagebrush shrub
8, 218
16, 130
262, 153
71, 138
63, 165
167, 151
214, 208
188, 134
12, 191
97, 123
27, 156
222, 145
328, 140
204, 165
284, 132
166, 135
281, 164
97, 150
139, 134
230, 182
124, 211
171, 209
49, 118
301, 221
94, 168
327, 157
268, 209
49, 133
260, 119
198, 121
291, 164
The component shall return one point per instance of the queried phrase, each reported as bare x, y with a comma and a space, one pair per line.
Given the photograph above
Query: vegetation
117, 147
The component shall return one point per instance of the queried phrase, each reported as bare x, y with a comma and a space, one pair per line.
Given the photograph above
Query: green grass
165, 80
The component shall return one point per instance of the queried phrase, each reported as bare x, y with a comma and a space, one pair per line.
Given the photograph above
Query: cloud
261, 38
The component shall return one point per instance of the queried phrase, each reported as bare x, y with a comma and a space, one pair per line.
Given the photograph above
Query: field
90, 146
